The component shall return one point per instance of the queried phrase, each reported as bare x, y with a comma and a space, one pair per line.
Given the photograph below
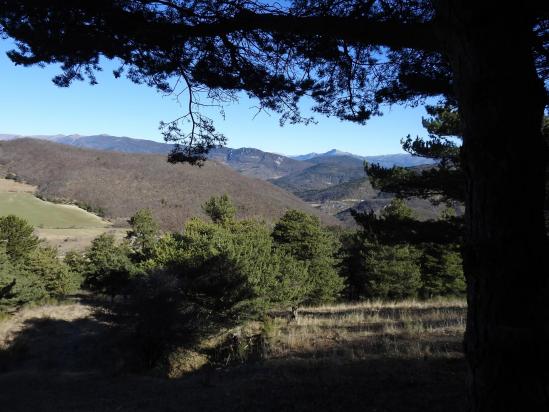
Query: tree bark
501, 102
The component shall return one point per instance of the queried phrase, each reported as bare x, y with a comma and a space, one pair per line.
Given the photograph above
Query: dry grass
12, 325
407, 329
8, 185
65, 240
372, 356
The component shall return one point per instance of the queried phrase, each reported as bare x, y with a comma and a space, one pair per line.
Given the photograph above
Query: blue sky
31, 104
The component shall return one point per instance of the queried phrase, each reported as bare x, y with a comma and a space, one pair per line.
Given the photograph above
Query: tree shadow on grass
58, 365
374, 385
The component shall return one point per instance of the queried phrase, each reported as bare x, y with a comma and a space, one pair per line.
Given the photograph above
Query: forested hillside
116, 185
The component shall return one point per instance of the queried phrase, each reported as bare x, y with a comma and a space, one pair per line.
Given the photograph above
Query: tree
52, 272
17, 286
109, 267
445, 182
18, 236
391, 272
398, 210
220, 209
301, 236
144, 232
441, 271
351, 57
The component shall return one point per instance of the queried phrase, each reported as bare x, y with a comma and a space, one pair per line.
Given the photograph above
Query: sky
30, 104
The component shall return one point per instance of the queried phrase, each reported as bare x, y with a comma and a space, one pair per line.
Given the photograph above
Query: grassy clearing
372, 356
43, 214
404, 330
76, 239
65, 227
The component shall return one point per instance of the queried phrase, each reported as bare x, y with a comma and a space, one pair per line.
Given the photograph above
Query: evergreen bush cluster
29, 272
389, 258
215, 274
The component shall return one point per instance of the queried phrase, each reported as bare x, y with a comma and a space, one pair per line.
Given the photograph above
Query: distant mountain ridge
233, 157
332, 182
119, 184
248, 161
388, 160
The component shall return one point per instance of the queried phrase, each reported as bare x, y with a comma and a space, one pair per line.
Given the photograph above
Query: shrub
17, 287
143, 234
301, 236
441, 271
166, 250
391, 272
77, 264
109, 267
157, 314
382, 271
220, 209
52, 272
18, 236
241, 259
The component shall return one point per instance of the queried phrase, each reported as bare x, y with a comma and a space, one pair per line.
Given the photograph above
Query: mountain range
228, 155
332, 182
388, 160
118, 184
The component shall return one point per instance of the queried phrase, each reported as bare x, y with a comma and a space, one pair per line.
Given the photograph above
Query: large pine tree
351, 56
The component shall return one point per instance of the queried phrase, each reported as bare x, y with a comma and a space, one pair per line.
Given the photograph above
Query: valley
333, 182
115, 185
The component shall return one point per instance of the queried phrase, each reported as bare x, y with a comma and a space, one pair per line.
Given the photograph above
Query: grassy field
367, 357
63, 226
47, 215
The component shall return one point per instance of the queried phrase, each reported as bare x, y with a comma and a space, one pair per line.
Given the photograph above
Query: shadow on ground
57, 365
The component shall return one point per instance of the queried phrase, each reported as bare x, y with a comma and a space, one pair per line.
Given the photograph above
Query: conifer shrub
109, 268
441, 271
29, 272
391, 272
143, 234
18, 236
54, 274
302, 237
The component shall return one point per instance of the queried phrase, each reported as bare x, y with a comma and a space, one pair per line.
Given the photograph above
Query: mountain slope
389, 160
257, 163
121, 183
249, 162
103, 142
324, 173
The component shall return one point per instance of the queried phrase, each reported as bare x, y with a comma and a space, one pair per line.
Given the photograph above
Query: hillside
324, 173
64, 227
119, 184
353, 191
389, 160
257, 163
248, 161
102, 142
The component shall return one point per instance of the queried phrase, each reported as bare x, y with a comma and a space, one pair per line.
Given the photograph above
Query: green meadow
42, 214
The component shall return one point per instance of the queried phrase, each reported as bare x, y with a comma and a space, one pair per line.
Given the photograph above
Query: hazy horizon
3, 133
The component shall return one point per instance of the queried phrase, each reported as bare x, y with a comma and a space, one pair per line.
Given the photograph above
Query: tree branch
360, 29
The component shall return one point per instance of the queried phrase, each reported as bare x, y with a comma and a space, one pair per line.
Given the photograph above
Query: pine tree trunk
501, 101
